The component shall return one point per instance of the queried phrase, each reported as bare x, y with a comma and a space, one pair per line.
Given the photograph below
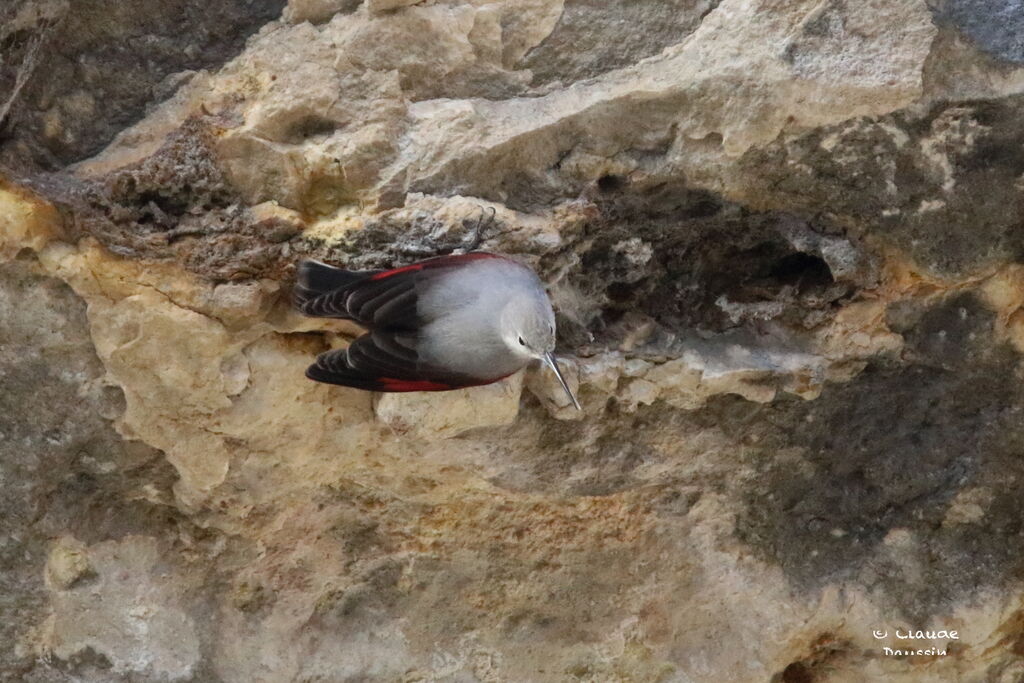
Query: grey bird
435, 325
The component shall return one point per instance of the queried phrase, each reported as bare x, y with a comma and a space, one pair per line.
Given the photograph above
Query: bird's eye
521, 342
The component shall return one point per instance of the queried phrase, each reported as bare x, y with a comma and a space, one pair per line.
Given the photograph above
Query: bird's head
528, 329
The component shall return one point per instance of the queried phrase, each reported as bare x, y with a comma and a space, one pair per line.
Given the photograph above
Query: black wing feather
398, 312
377, 361
398, 344
366, 355
388, 302
317, 284
322, 371
364, 305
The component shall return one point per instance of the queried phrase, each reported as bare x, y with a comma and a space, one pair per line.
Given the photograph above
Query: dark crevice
610, 183
691, 261
797, 672
802, 271
310, 127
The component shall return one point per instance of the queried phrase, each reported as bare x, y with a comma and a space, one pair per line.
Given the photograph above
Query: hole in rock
610, 183
309, 127
797, 672
802, 270
620, 292
703, 208
172, 206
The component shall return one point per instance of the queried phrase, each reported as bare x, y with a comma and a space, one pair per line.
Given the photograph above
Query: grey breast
463, 310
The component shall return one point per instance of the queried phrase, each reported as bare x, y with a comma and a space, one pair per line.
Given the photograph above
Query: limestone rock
447, 414
317, 11
28, 222
385, 5
67, 564
128, 616
783, 241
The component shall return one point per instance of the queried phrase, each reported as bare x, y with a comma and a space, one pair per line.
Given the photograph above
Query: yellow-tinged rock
1004, 291
442, 415
26, 220
67, 563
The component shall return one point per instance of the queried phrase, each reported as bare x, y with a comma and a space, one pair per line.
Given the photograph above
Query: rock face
784, 241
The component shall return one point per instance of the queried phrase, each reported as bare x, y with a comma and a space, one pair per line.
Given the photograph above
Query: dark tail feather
315, 279
319, 277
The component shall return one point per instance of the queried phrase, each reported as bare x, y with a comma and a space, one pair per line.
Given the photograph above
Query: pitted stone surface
783, 243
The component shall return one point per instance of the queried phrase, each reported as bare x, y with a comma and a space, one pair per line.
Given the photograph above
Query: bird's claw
476, 234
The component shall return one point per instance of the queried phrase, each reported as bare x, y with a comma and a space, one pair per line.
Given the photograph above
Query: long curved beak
549, 358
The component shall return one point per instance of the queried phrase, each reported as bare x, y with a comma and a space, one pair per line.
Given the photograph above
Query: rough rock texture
784, 241
73, 73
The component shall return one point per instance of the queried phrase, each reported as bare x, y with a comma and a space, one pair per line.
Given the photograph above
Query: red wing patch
392, 384
396, 385
396, 271
438, 262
